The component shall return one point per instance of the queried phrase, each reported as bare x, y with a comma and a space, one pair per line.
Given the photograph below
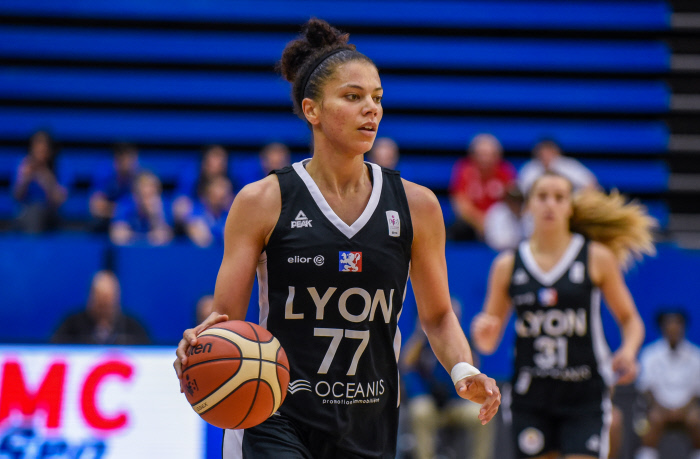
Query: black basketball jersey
562, 358
332, 294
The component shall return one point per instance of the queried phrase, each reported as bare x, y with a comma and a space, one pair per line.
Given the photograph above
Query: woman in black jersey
563, 367
338, 237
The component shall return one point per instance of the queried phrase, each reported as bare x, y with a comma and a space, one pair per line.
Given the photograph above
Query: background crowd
486, 192
488, 196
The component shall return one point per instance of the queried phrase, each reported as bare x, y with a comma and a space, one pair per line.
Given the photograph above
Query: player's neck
549, 242
338, 173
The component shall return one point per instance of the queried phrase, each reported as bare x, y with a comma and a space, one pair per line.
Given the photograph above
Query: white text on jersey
369, 310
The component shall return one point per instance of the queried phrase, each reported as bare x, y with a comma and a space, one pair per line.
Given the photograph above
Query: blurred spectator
113, 183
504, 226
206, 223
102, 321
384, 153
192, 185
140, 216
36, 187
205, 306
478, 181
274, 156
433, 402
547, 156
670, 383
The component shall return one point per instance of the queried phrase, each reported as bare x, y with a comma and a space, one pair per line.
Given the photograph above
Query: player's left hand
624, 364
482, 390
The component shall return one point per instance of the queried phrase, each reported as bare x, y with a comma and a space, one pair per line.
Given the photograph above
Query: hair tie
312, 69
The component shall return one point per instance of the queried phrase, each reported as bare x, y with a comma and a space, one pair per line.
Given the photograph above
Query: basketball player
338, 238
563, 370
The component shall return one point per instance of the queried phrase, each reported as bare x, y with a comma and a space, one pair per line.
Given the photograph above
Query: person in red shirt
478, 181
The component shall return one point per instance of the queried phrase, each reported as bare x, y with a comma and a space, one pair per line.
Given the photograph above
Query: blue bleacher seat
465, 53
428, 132
9, 160
169, 167
536, 14
58, 84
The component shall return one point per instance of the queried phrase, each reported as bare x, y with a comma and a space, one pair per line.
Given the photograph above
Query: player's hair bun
316, 37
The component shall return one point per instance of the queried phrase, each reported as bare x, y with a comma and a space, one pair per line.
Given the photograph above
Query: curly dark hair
310, 60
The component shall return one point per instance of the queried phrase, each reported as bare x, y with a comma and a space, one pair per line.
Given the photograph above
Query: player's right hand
482, 390
189, 338
485, 329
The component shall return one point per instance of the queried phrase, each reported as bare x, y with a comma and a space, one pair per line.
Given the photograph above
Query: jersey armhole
275, 230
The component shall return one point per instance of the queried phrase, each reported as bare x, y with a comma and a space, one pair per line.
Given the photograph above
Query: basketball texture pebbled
236, 376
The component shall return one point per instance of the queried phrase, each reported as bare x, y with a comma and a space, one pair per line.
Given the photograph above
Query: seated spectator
36, 187
478, 181
547, 156
192, 184
206, 223
113, 183
504, 226
384, 153
140, 216
433, 402
102, 321
274, 156
670, 383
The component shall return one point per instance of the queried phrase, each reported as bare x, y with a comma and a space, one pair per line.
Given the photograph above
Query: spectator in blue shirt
113, 184
206, 223
140, 216
192, 184
36, 187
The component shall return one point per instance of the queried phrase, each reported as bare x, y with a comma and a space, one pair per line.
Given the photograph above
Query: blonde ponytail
625, 228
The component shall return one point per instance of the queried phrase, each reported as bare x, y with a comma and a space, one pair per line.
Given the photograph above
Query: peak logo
301, 221
350, 262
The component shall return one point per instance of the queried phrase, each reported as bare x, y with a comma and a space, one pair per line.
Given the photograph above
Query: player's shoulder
266, 188
421, 200
601, 253
261, 193
503, 264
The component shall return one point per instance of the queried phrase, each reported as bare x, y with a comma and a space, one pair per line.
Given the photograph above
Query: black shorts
278, 437
537, 433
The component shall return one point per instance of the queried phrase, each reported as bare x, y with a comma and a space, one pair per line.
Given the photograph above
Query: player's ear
311, 110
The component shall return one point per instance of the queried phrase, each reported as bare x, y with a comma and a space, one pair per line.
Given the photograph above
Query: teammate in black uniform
563, 367
338, 238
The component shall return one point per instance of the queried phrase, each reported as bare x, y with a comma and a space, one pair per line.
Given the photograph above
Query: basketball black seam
232, 358
258, 380
257, 387
224, 398
256, 335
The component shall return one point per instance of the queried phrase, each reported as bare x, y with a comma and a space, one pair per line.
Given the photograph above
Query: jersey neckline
550, 277
348, 230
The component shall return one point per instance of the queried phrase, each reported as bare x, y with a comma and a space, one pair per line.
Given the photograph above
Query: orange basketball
236, 376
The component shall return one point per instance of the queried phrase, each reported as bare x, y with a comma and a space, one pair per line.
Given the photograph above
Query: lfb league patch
548, 296
350, 262
392, 218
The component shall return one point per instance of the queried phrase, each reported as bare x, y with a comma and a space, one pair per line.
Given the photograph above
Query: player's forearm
448, 341
632, 331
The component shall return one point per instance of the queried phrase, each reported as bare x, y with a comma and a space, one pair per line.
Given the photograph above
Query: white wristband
463, 370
